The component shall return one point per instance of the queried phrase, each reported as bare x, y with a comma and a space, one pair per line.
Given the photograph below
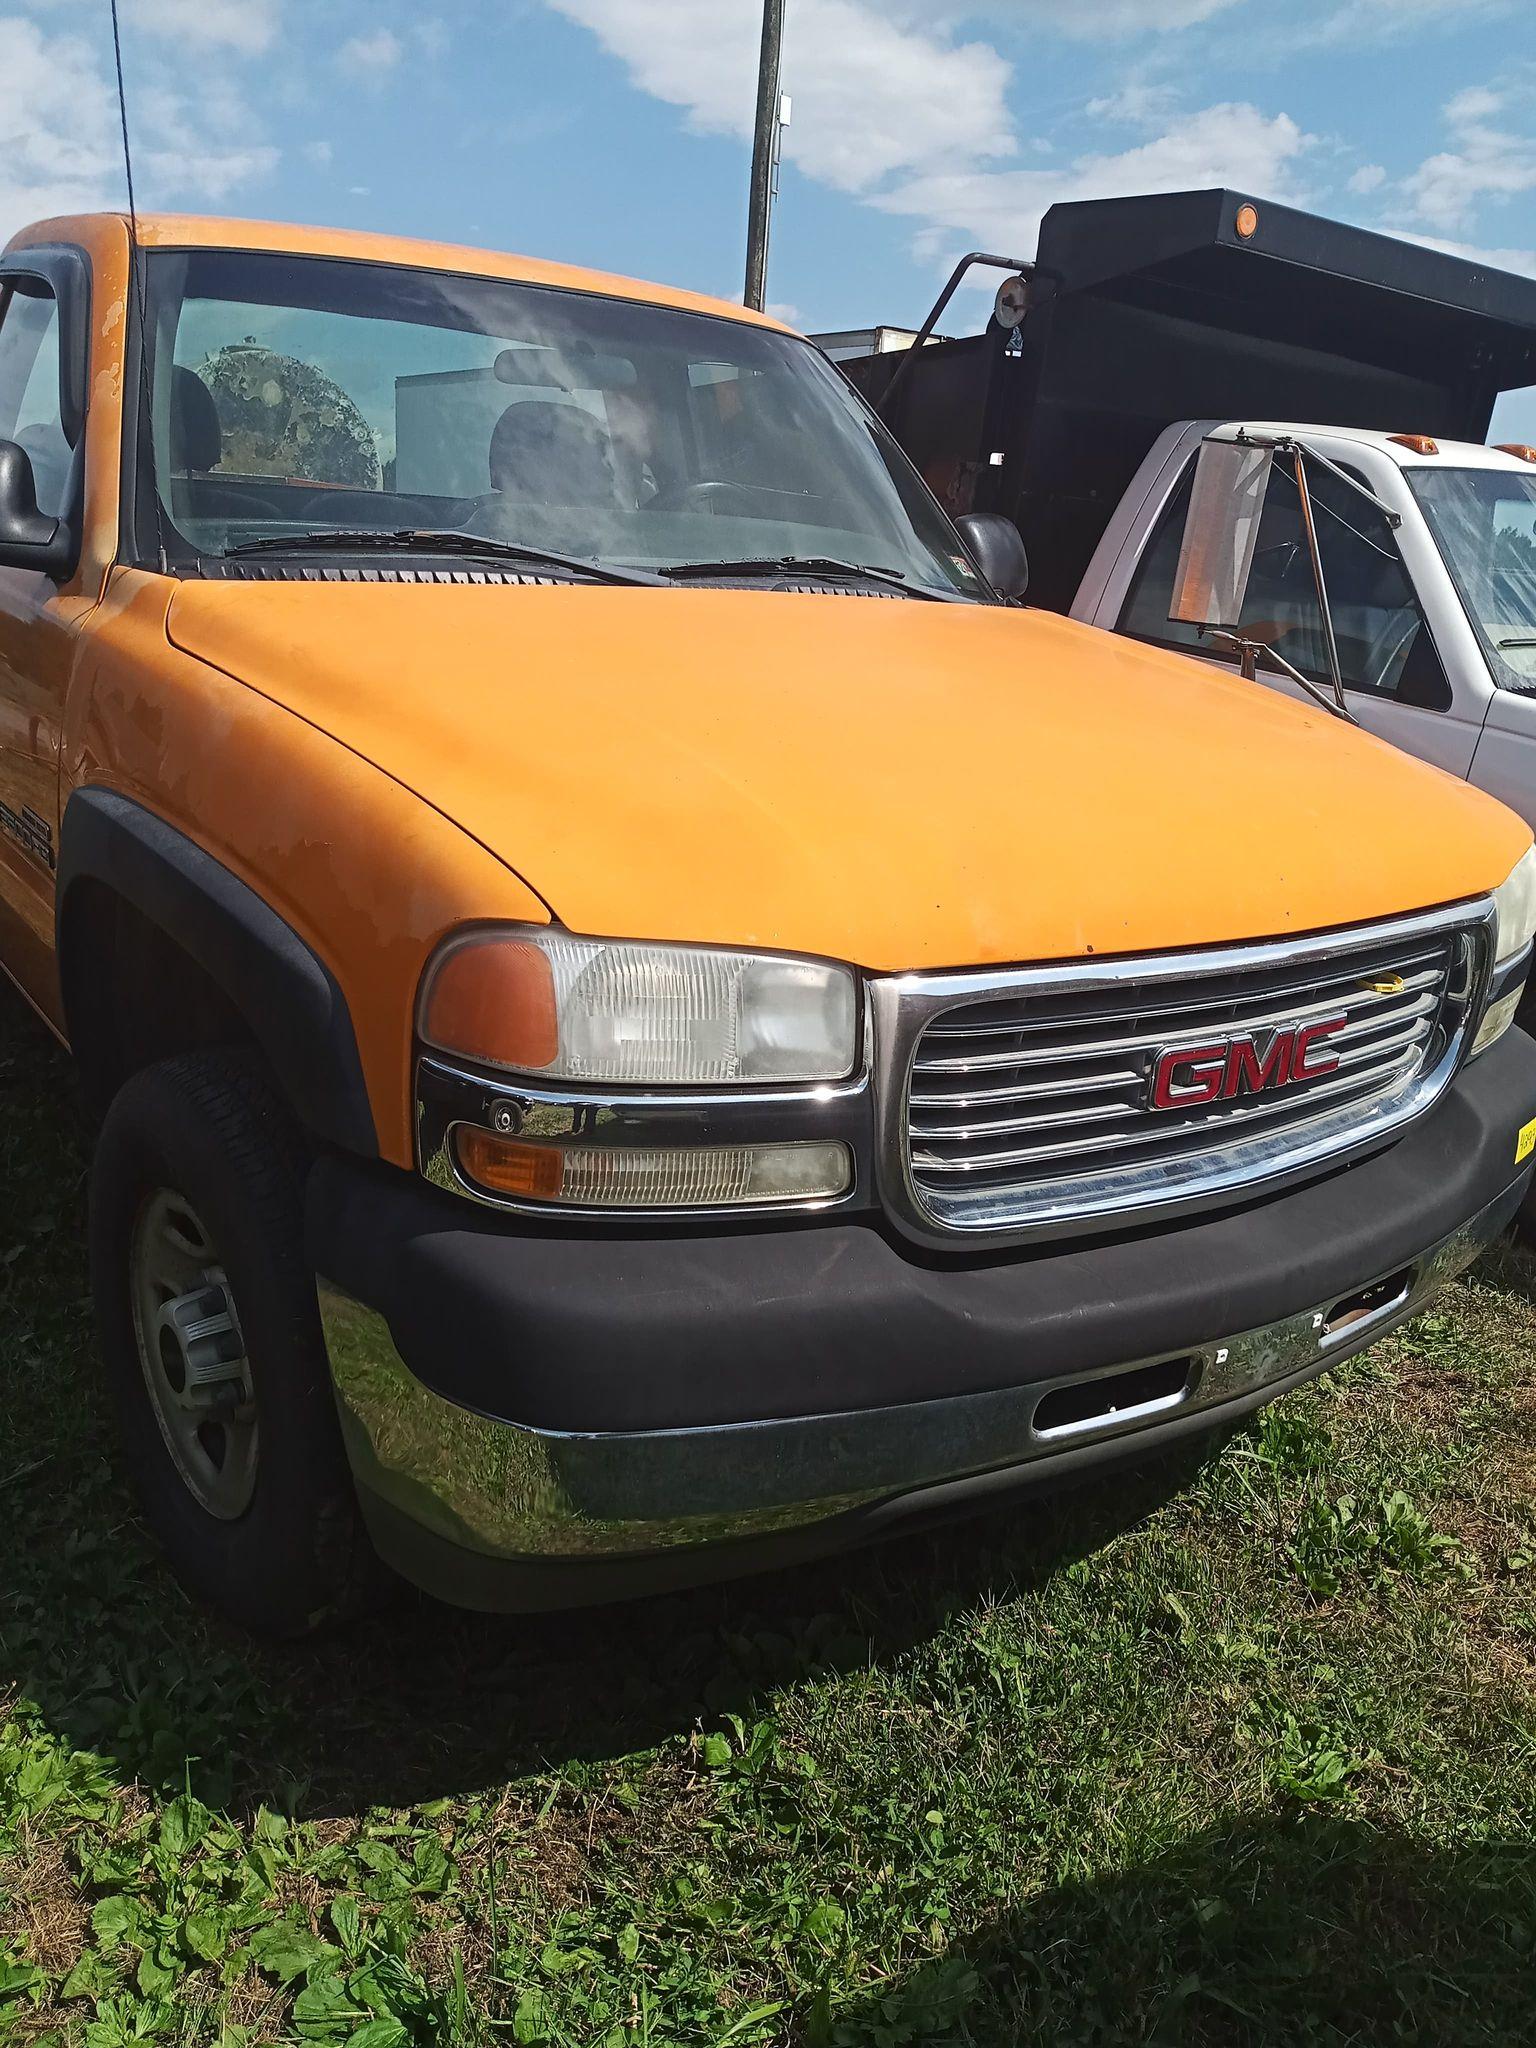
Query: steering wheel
702, 494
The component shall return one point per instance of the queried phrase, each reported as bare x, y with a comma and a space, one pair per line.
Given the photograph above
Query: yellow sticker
1525, 1144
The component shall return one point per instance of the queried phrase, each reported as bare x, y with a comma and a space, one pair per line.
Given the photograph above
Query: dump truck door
1401, 680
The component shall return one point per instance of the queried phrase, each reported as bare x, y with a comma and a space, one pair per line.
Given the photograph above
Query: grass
1247, 1754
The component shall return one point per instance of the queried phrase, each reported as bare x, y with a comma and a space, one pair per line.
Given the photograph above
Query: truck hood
895, 783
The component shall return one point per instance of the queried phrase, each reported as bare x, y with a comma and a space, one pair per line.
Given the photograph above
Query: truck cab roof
1394, 446
214, 231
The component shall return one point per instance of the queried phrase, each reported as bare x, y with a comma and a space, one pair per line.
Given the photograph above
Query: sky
616, 133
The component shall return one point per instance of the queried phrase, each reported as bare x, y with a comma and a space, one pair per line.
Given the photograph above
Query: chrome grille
1027, 1102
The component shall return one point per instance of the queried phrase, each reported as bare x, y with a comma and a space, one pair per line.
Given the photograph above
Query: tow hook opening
1112, 1398
1368, 1304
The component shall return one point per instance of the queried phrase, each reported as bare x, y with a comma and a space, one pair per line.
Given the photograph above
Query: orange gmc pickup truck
644, 1018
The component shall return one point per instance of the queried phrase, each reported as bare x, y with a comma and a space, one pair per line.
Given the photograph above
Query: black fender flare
287, 995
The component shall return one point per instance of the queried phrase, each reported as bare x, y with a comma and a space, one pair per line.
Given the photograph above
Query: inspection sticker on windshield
1525, 1144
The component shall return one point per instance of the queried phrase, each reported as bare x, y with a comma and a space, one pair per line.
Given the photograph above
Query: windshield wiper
427, 540
825, 568
1523, 640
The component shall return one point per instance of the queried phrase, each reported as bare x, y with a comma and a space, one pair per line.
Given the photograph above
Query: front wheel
210, 1333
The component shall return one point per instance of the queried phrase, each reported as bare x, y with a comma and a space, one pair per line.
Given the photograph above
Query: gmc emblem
1187, 1076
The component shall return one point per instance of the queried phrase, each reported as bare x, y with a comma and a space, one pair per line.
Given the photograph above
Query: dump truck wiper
824, 568
427, 540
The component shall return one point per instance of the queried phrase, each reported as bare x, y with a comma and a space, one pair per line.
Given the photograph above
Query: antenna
122, 109
136, 267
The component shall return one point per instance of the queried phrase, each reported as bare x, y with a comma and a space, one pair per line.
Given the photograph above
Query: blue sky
615, 132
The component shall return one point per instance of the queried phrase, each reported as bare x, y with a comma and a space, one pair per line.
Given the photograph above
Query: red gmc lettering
1191, 1076
1307, 1065
1203, 1069
1247, 1074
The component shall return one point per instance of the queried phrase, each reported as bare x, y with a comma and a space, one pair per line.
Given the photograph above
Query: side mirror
996, 546
1220, 532
29, 539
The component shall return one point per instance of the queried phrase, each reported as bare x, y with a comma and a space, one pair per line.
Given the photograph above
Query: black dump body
1145, 311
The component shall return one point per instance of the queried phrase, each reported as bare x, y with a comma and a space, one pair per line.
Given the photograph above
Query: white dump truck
1238, 430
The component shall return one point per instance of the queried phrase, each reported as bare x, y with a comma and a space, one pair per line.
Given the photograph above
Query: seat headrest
543, 449
197, 440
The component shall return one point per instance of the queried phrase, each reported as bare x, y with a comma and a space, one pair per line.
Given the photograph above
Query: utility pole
765, 152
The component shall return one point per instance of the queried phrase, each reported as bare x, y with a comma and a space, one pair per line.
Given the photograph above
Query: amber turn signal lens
493, 999
1247, 222
1421, 444
504, 1167
1522, 449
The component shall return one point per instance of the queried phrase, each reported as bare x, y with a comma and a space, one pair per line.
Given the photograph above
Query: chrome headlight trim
449, 1096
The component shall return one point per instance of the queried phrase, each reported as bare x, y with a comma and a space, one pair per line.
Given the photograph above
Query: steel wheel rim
192, 1355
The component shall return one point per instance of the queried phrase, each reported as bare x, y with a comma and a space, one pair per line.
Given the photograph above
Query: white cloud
1378, 20
901, 113
57, 127
245, 26
1138, 103
1088, 20
1521, 260
205, 146
1369, 178
871, 98
1485, 162
370, 56
317, 154
1231, 144
60, 147
1473, 103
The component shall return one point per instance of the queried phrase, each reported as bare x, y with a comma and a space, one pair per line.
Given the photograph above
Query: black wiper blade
828, 568
429, 540
1522, 640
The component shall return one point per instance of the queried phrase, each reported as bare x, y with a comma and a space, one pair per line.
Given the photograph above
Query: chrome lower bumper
504, 1492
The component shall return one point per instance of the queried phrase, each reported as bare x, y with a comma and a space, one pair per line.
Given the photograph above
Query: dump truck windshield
292, 395
1484, 521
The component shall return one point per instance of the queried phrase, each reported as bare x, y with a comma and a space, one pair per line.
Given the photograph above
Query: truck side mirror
29, 539
1220, 531
996, 546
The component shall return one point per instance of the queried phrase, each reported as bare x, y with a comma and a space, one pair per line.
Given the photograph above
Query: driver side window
1384, 645
29, 393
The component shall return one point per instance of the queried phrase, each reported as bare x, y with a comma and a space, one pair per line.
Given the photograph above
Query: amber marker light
1247, 221
1521, 450
504, 1167
1421, 444
493, 998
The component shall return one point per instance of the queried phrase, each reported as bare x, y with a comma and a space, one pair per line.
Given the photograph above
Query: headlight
537, 1001
1514, 902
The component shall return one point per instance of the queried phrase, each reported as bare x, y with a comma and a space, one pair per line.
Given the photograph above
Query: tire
226, 1413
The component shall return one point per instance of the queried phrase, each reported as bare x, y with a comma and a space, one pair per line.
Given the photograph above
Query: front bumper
539, 1418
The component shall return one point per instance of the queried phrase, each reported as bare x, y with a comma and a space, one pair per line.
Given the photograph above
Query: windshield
289, 394
1485, 523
